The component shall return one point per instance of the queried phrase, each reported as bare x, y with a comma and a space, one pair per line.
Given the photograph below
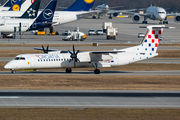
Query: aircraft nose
7, 66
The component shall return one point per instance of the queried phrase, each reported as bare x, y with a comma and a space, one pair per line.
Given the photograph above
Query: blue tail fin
81, 5
32, 11
16, 6
9, 3
45, 18
48, 12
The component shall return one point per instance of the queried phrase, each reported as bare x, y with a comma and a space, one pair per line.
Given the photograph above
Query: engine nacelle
115, 14
136, 17
177, 18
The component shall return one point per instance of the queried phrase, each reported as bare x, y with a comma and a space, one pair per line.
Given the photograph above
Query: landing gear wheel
13, 71
96, 71
144, 22
166, 22
110, 17
68, 70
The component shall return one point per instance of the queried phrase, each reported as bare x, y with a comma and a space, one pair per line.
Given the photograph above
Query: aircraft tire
13, 71
96, 71
68, 70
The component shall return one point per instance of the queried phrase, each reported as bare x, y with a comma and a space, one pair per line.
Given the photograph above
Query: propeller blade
43, 49
78, 60
47, 49
70, 52
73, 49
77, 52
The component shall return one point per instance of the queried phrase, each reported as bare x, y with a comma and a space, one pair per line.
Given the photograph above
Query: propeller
45, 50
74, 56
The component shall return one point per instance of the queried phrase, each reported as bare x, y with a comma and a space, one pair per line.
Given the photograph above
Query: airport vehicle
155, 13
79, 9
74, 35
106, 25
99, 32
140, 35
72, 59
111, 33
27, 20
104, 9
91, 32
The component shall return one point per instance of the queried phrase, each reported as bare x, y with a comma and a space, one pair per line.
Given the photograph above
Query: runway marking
4, 97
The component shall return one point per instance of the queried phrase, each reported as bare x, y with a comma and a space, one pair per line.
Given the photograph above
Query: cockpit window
161, 12
19, 58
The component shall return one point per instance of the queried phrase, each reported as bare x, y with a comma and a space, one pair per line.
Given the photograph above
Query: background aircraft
77, 10
9, 4
27, 20
106, 10
155, 13
72, 59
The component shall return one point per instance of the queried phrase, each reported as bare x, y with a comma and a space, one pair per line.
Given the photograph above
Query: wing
120, 11
174, 14
96, 56
87, 14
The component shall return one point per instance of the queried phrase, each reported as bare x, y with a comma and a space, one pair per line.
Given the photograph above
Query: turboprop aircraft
79, 9
155, 13
27, 20
11, 5
72, 59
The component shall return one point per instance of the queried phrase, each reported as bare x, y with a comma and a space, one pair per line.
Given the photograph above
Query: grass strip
88, 114
95, 82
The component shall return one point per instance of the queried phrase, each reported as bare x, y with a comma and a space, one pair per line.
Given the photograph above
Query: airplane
77, 59
11, 5
105, 9
155, 13
78, 10
29, 20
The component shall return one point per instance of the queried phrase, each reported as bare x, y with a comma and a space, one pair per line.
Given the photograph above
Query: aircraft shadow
91, 94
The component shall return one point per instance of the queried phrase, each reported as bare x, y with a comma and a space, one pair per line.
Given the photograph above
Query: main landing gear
96, 71
144, 22
163, 22
110, 17
68, 70
13, 71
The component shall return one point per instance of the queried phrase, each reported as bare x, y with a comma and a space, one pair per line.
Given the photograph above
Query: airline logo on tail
48, 14
13, 1
32, 1
16, 7
31, 12
153, 39
88, 1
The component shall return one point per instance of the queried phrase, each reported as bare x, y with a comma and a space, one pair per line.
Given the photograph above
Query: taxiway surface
85, 73
89, 98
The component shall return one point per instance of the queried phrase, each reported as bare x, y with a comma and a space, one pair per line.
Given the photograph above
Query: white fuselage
9, 24
61, 60
156, 13
4, 8
60, 17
